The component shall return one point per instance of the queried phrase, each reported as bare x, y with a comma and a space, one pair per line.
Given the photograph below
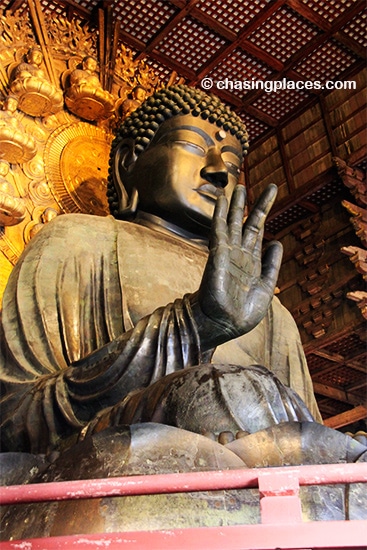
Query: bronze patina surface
162, 313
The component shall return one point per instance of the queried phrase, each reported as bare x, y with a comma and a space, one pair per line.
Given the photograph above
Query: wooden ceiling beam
172, 65
302, 193
328, 125
77, 8
335, 27
309, 14
214, 25
352, 364
348, 331
351, 44
131, 41
335, 357
355, 387
324, 370
169, 26
346, 418
335, 393
14, 5
285, 163
157, 56
271, 61
254, 111
311, 206
264, 14
357, 156
326, 407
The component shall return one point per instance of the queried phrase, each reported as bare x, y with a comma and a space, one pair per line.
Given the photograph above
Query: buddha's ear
123, 161
125, 156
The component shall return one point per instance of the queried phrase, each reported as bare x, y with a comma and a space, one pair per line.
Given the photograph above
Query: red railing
281, 519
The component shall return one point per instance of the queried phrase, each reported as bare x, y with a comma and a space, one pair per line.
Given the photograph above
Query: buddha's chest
156, 269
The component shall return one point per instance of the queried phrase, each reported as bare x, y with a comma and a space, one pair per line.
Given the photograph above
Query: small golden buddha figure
12, 208
138, 96
36, 226
36, 95
85, 97
16, 146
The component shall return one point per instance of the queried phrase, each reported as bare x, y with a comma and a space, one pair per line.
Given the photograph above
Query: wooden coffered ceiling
311, 143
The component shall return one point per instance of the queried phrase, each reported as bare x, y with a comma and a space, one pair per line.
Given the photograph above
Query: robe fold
97, 308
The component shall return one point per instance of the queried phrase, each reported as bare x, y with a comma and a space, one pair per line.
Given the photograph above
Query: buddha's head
90, 64
139, 93
35, 56
4, 167
174, 155
10, 104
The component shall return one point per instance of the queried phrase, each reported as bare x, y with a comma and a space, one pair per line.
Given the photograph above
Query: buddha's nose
215, 171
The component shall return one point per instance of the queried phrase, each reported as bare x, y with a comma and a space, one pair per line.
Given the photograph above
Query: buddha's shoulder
282, 318
81, 225
83, 232
79, 220
77, 226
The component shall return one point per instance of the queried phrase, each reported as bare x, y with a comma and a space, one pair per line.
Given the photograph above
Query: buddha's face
35, 57
139, 94
90, 64
188, 164
11, 104
4, 168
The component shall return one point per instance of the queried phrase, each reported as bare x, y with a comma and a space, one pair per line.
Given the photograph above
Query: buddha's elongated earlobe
120, 195
131, 207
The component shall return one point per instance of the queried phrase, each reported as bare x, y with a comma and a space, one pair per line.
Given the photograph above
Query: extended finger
271, 264
236, 214
219, 233
257, 249
256, 220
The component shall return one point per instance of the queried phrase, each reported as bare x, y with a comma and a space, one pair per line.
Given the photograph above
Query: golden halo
76, 165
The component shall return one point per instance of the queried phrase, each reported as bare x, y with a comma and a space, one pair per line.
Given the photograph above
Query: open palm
238, 284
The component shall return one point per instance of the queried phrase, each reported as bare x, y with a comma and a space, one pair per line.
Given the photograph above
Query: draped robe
96, 308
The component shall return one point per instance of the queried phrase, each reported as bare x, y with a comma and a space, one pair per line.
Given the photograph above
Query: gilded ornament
8, 248
34, 168
16, 146
76, 166
125, 66
85, 96
37, 97
71, 37
57, 161
146, 77
40, 217
12, 208
15, 29
39, 192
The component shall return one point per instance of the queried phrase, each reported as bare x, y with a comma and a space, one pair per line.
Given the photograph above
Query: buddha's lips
210, 191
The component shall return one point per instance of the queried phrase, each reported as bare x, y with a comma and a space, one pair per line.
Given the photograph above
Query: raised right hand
238, 284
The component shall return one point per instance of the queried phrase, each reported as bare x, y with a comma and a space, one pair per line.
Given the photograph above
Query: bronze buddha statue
97, 307
150, 341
